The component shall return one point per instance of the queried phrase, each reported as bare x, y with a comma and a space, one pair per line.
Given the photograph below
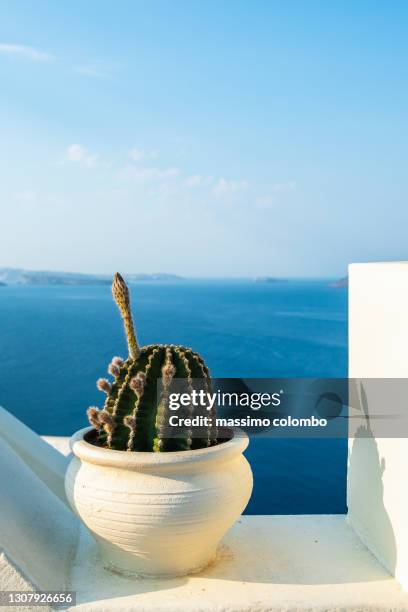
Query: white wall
378, 466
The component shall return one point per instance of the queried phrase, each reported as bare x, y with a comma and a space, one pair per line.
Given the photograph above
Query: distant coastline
20, 276
269, 279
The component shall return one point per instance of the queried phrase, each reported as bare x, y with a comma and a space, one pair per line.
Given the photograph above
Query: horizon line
173, 274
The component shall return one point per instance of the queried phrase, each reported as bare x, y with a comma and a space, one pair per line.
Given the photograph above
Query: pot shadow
94, 581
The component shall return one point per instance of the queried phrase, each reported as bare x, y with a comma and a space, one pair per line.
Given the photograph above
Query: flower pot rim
137, 460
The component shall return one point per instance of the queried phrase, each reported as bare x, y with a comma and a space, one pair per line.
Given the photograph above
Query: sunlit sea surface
56, 341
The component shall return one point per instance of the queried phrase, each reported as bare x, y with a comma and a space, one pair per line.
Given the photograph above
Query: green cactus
135, 413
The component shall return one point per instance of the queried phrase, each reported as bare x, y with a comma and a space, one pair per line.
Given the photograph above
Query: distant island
339, 284
19, 276
269, 279
156, 276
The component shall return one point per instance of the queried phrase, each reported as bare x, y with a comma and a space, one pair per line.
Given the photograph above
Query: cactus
136, 409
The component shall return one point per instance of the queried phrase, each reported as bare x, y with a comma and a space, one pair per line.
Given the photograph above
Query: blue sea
57, 340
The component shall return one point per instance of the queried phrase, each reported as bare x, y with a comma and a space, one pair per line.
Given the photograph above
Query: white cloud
276, 194
284, 187
265, 201
197, 180
91, 71
78, 154
140, 154
226, 188
24, 52
144, 174
99, 69
25, 196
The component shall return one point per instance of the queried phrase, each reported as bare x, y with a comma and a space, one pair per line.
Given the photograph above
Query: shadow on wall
369, 516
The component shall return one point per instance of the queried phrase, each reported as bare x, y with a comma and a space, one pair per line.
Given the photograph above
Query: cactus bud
117, 361
93, 416
168, 371
120, 291
137, 383
103, 385
113, 370
121, 296
130, 422
107, 421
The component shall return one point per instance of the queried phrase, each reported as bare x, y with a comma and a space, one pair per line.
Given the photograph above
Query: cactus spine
135, 415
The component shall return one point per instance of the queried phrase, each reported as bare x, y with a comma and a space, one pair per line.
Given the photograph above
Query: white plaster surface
61, 444
266, 563
12, 579
48, 464
37, 530
378, 466
274, 563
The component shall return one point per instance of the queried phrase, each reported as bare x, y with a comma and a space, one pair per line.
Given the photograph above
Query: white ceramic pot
158, 514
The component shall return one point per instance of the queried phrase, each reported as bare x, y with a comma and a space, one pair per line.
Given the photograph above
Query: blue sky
203, 138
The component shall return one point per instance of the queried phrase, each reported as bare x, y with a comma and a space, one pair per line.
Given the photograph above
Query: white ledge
294, 563
265, 563
47, 464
